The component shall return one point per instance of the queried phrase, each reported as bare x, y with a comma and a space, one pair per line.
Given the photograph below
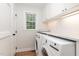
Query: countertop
66, 37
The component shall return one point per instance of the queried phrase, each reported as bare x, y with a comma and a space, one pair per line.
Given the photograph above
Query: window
30, 21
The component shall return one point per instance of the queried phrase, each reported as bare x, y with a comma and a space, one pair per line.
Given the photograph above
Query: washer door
44, 52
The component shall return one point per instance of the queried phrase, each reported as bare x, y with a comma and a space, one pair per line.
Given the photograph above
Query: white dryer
58, 47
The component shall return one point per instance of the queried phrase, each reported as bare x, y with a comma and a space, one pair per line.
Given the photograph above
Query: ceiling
38, 5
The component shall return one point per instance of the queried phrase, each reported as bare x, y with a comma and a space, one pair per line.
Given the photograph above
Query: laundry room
39, 29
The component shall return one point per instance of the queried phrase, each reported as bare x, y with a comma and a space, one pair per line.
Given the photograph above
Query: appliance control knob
46, 41
54, 43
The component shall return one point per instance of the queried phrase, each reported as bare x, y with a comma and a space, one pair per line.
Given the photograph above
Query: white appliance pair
52, 46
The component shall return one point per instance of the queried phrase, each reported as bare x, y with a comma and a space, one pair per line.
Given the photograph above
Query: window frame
25, 20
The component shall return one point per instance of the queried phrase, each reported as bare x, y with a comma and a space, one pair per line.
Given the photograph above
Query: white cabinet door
69, 5
52, 9
5, 46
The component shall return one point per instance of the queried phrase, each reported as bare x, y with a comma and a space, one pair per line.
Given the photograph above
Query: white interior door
5, 46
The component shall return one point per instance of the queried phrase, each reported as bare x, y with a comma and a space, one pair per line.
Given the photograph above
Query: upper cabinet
67, 6
53, 9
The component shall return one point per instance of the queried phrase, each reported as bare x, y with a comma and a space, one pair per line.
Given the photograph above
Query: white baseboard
24, 49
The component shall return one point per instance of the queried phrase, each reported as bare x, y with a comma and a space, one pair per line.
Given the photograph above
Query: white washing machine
58, 47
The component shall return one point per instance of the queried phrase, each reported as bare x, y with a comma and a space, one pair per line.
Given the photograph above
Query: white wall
25, 38
67, 27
